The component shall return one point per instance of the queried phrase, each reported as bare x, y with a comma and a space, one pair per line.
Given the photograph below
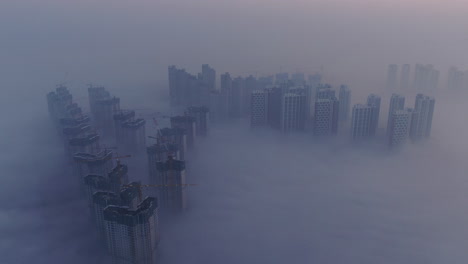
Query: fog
261, 197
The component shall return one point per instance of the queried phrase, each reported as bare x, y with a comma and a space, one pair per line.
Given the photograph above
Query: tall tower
345, 102
362, 121
293, 110
397, 102
374, 101
405, 77
259, 108
177, 136
209, 77
201, 115
326, 117
134, 136
171, 175
133, 235
188, 124
421, 123
399, 127
236, 97
392, 77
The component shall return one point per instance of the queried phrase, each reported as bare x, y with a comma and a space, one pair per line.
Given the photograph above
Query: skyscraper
177, 136
298, 78
397, 102
392, 76
134, 136
209, 77
201, 115
345, 102
121, 117
326, 117
259, 108
457, 80
374, 101
133, 235
171, 175
399, 127
405, 77
87, 163
315, 79
275, 96
362, 121
281, 78
421, 123
188, 124
426, 77
293, 110
236, 97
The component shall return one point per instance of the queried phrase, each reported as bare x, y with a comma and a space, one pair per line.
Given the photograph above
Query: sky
260, 198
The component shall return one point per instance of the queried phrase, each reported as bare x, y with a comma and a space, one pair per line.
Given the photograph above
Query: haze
261, 198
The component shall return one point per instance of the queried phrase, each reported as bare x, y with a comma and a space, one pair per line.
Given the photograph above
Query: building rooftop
125, 216
124, 115
104, 198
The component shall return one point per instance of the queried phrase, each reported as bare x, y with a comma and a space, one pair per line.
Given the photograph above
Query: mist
261, 197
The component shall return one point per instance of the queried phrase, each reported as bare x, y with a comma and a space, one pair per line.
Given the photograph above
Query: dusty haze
260, 198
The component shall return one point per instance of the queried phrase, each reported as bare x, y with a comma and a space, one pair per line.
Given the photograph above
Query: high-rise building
177, 136
324, 92
426, 77
298, 78
281, 78
374, 101
421, 123
361, 121
133, 235
236, 98
405, 77
85, 144
457, 79
259, 108
160, 152
134, 136
87, 163
265, 82
201, 115
293, 111
399, 127
250, 85
171, 175
275, 96
397, 102
102, 199
315, 79
209, 77
392, 77
188, 124
121, 117
326, 116
345, 102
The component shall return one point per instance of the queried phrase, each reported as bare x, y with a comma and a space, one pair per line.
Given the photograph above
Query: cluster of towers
425, 77
126, 221
415, 123
289, 107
